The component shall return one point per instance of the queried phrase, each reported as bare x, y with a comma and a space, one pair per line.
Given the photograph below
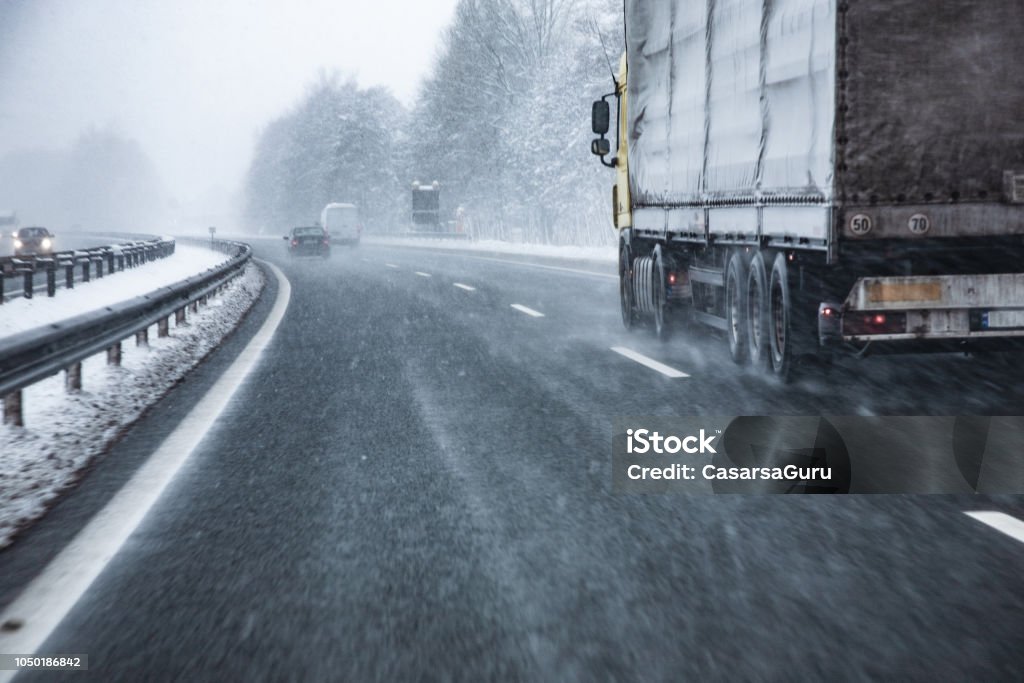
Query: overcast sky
194, 80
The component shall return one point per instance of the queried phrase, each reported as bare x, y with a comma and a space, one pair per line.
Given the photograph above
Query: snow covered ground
18, 315
64, 432
494, 246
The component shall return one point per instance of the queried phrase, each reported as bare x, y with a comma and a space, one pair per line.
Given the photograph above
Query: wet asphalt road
14, 286
62, 242
415, 484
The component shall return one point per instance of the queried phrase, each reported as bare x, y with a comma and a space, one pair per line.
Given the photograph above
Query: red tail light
857, 323
671, 278
295, 243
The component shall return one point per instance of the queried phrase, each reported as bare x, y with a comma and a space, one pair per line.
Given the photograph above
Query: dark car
310, 241
34, 240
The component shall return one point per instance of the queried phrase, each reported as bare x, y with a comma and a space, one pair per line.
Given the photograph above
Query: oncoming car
33, 240
308, 241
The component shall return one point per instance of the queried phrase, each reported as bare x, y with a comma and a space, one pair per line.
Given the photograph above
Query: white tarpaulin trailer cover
699, 128
758, 117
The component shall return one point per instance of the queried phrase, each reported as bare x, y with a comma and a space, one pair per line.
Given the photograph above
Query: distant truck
426, 207
8, 223
806, 175
341, 221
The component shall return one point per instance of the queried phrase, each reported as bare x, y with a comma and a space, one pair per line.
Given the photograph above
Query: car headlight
17, 244
46, 243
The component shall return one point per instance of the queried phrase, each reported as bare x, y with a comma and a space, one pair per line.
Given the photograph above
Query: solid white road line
422, 274
649, 362
465, 287
52, 594
390, 265
1011, 526
528, 311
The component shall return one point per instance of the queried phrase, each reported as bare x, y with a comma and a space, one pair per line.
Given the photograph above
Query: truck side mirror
600, 116
600, 147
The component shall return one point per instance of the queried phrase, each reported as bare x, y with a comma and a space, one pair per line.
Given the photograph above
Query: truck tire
757, 313
735, 309
626, 286
780, 319
659, 297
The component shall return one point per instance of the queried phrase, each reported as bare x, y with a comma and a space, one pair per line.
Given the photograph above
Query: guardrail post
179, 317
2, 277
13, 414
142, 337
99, 265
73, 377
85, 270
194, 306
29, 283
69, 274
120, 261
110, 260
163, 327
51, 278
114, 354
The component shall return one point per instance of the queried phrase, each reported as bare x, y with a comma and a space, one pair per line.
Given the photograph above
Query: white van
341, 221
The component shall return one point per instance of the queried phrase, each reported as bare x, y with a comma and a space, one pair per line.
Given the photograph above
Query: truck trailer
426, 207
816, 175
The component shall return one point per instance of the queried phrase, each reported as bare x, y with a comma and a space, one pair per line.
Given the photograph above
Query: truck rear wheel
626, 286
779, 319
757, 313
735, 309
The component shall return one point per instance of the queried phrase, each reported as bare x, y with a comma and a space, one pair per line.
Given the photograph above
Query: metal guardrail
27, 357
79, 265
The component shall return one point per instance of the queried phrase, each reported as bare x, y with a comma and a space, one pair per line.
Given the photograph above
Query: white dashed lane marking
390, 265
649, 362
1011, 526
422, 274
528, 311
465, 287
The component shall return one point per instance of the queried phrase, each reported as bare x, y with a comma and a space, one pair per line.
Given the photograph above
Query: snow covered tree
337, 145
503, 121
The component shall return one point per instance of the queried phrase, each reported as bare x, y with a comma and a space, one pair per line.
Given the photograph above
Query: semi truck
810, 176
426, 207
8, 223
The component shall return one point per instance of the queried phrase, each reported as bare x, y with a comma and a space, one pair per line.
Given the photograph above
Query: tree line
501, 122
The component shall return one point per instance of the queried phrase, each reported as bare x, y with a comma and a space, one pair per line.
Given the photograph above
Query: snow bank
18, 315
65, 432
